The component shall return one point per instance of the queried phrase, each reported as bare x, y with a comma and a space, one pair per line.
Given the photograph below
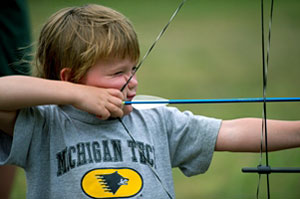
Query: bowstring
265, 63
129, 79
146, 159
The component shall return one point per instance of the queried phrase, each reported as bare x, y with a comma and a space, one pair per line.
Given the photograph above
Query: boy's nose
130, 84
133, 82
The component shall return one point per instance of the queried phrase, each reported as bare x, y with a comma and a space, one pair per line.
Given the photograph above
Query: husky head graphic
112, 182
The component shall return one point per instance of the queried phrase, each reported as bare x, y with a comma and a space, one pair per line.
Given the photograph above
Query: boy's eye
118, 73
134, 69
122, 72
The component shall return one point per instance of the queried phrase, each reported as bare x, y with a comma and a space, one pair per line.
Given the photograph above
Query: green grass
212, 50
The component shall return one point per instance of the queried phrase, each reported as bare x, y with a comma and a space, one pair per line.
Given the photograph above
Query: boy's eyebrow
122, 65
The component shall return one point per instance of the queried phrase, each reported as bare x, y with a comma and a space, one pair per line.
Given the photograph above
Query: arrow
158, 101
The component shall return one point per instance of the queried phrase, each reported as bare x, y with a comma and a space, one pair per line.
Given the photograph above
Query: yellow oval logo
112, 183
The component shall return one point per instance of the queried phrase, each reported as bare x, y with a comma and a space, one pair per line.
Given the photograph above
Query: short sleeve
192, 140
14, 150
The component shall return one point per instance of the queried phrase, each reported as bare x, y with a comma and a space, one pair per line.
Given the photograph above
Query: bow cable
265, 63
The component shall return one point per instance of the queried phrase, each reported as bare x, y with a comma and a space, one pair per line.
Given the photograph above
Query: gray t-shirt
68, 153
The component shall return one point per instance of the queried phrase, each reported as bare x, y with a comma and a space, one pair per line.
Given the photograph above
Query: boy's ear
65, 74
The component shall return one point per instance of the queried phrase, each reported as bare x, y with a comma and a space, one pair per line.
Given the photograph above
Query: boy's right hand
104, 103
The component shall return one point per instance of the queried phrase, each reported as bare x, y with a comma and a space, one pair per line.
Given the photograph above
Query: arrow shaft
211, 101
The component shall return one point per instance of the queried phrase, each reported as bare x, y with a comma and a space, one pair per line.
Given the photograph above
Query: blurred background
212, 50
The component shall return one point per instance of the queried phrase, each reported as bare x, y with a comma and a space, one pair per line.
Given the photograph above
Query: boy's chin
127, 109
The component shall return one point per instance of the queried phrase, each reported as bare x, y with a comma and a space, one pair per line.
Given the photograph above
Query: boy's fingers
127, 109
105, 114
115, 111
116, 93
112, 106
117, 102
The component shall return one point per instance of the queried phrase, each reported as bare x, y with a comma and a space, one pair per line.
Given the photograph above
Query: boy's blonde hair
77, 37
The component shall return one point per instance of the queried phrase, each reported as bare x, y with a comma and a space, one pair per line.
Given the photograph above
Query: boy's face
112, 73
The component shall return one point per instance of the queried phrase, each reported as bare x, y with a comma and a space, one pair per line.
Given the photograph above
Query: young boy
61, 129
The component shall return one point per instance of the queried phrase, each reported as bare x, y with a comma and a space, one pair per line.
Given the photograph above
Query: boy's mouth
130, 97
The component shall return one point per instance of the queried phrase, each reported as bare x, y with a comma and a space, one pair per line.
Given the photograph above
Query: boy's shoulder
165, 114
172, 116
39, 113
165, 111
160, 112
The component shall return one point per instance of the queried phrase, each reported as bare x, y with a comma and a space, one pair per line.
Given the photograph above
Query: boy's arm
244, 135
18, 92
